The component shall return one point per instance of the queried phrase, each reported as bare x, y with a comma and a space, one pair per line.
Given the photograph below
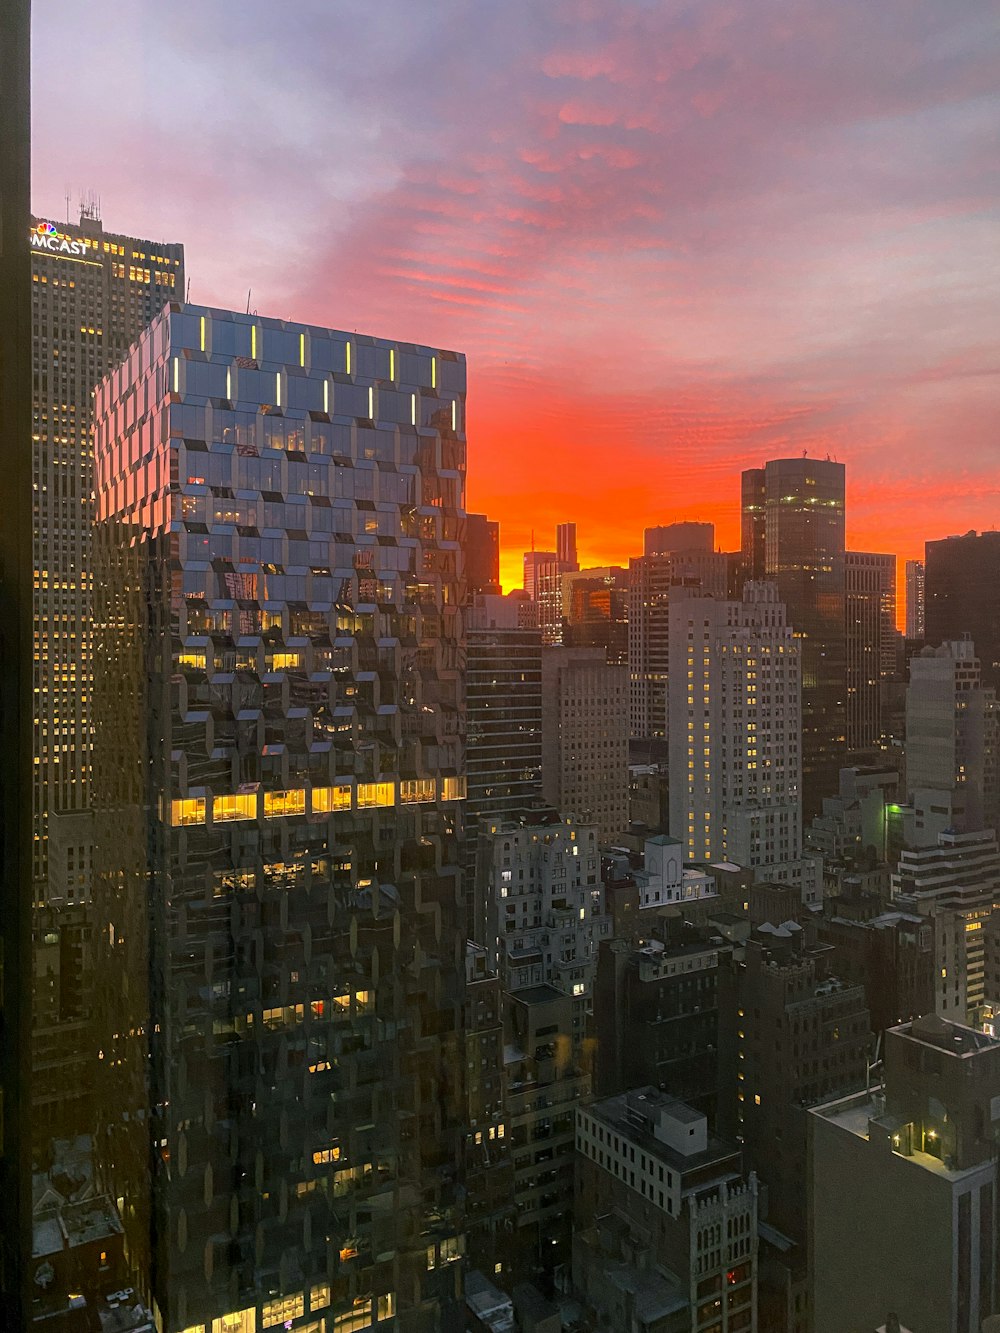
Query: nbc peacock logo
47, 236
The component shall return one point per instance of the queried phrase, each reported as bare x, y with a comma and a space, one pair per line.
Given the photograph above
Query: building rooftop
635, 1115
953, 1038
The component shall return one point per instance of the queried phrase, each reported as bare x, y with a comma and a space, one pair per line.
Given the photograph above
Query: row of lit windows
319, 801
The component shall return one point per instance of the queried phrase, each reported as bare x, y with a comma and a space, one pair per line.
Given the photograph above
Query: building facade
665, 1220
915, 600
903, 1187
279, 773
734, 735
870, 605
503, 716
962, 596
793, 533
682, 556
952, 742
585, 737
482, 555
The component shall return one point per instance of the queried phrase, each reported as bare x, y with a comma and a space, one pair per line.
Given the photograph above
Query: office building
915, 600
92, 294
665, 1233
540, 914
870, 602
682, 556
490, 1205
15, 660
889, 952
566, 546
543, 571
903, 1187
955, 882
792, 1034
952, 743
595, 611
656, 1013
793, 533
585, 737
482, 555
962, 596
503, 717
734, 735
279, 773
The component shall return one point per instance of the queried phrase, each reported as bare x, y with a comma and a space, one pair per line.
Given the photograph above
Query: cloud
677, 235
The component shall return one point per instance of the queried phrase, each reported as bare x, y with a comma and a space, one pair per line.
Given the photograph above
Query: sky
674, 239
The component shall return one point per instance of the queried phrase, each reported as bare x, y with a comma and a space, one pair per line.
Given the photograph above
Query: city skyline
687, 240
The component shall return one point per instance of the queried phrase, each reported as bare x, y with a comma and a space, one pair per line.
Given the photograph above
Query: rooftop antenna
248, 299
69, 193
187, 292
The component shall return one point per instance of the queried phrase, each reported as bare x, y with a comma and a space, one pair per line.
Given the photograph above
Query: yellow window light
228, 809
280, 803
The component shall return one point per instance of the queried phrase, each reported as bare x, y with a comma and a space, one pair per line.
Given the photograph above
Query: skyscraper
952, 743
871, 642
279, 767
92, 293
914, 599
543, 583
735, 761
677, 556
793, 532
482, 555
585, 737
503, 716
566, 546
15, 658
962, 596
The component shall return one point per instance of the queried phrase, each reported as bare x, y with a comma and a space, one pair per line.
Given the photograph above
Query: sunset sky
673, 239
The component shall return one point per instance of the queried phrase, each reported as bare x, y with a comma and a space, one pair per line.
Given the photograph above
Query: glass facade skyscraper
793, 533
279, 773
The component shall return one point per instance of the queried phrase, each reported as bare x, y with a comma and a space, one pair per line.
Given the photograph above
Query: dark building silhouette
482, 555
793, 533
962, 596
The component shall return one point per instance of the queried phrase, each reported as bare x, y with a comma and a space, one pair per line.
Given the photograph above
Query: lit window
227, 809
190, 811
285, 1307
453, 789
327, 799
277, 803
417, 789
376, 793
238, 1321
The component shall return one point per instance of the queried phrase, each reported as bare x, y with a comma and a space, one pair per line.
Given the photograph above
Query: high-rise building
503, 717
278, 774
595, 611
793, 533
956, 883
585, 737
870, 606
15, 663
656, 1014
540, 913
915, 599
903, 1187
962, 595
665, 1220
682, 556
566, 546
543, 572
793, 1034
952, 743
92, 294
735, 761
482, 555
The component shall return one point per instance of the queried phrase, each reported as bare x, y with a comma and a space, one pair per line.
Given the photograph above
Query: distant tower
793, 533
566, 546
915, 599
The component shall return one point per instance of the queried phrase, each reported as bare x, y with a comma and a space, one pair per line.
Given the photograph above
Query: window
376, 793
278, 803
226, 809
327, 799
189, 811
